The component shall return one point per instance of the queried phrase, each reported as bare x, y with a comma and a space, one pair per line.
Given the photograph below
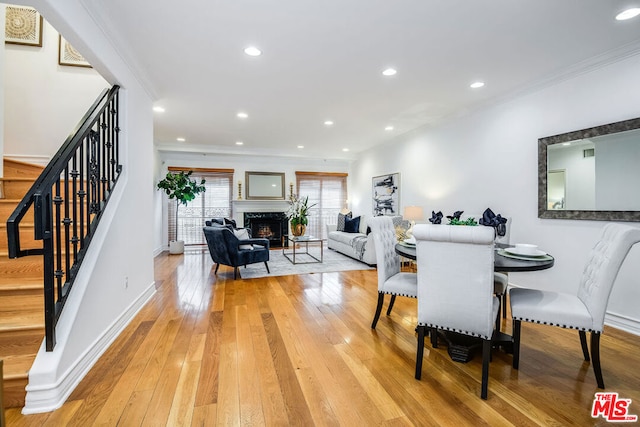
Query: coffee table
300, 246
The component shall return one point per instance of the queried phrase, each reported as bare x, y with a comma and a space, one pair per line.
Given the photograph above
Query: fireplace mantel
241, 206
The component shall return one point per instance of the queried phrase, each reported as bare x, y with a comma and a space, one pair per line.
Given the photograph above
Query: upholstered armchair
584, 311
226, 248
391, 280
455, 286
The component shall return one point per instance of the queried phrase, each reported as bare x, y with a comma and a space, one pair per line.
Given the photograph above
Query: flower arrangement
298, 211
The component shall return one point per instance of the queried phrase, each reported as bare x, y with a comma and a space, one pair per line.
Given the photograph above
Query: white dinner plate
526, 253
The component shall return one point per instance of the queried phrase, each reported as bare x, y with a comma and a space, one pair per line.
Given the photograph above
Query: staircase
21, 288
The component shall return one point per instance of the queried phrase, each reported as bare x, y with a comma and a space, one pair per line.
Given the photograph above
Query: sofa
358, 245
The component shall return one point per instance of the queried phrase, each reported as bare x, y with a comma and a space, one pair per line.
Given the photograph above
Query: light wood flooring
299, 350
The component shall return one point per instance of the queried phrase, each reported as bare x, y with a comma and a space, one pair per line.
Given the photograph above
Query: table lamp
412, 214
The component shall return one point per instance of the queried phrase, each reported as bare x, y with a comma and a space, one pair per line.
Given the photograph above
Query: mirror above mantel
591, 174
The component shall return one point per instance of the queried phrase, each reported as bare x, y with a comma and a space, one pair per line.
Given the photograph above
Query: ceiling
323, 60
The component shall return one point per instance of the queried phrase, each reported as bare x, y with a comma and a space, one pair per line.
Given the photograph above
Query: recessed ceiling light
239, 143
328, 122
301, 146
158, 109
389, 72
628, 14
566, 143
476, 85
389, 128
253, 51
345, 149
181, 139
242, 115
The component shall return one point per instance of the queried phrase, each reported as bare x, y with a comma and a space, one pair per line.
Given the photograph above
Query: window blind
214, 202
329, 192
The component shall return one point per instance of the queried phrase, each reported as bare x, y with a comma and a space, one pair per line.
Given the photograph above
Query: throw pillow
231, 222
243, 234
341, 220
352, 225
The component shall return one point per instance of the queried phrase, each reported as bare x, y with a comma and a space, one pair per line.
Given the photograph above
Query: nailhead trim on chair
555, 324
400, 295
431, 325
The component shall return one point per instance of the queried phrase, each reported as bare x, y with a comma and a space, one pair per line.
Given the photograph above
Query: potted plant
180, 186
298, 214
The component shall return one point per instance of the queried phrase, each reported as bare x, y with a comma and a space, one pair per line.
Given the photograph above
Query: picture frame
23, 26
264, 185
67, 55
385, 191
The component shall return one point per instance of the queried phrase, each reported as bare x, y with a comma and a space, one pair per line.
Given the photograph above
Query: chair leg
267, 265
393, 300
217, 266
583, 343
235, 273
504, 305
486, 356
498, 318
378, 310
516, 343
433, 332
420, 352
595, 355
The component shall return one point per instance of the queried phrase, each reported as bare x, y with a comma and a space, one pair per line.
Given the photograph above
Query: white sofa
354, 245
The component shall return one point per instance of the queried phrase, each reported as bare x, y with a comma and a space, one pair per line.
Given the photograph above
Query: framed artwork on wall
23, 25
67, 55
386, 194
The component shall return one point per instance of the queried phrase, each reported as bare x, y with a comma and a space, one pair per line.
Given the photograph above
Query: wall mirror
264, 185
591, 173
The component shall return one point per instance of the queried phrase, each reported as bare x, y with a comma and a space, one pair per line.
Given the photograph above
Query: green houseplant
298, 214
180, 186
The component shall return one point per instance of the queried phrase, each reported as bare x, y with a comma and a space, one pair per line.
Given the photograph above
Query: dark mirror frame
543, 143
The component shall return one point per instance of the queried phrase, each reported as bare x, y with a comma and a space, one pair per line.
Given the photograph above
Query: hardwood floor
298, 350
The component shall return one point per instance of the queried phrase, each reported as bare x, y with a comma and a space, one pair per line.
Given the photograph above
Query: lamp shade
413, 213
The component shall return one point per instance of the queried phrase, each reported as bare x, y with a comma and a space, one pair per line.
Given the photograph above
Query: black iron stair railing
67, 201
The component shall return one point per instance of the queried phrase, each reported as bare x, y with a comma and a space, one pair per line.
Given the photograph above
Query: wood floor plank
299, 350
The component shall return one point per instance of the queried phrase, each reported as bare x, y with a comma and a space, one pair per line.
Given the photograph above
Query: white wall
116, 278
240, 164
488, 158
44, 101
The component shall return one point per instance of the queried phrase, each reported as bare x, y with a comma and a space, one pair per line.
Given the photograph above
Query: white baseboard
621, 322
49, 397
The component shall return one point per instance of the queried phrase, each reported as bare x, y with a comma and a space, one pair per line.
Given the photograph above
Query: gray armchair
225, 248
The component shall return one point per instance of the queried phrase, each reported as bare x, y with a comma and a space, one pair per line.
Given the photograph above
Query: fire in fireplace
268, 225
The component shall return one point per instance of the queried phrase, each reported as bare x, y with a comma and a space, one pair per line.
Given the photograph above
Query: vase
298, 229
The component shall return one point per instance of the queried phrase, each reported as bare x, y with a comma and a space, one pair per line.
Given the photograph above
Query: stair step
27, 320
20, 342
7, 206
16, 168
15, 188
16, 377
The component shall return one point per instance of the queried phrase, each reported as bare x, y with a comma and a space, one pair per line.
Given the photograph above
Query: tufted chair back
455, 278
602, 268
384, 235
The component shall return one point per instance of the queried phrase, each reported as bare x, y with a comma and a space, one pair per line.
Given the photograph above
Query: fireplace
269, 225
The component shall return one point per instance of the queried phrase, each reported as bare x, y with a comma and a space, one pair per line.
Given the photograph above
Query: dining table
503, 262
461, 348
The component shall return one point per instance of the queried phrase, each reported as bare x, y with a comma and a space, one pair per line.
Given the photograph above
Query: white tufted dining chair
455, 286
584, 311
390, 279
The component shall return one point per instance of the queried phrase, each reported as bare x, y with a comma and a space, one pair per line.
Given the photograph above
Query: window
214, 202
329, 192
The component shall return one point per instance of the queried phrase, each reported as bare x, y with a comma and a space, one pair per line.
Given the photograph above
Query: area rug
281, 266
